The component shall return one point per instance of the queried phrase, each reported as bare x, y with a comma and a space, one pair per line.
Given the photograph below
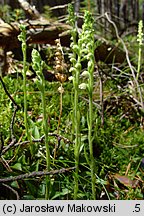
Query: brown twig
8, 94
1, 143
41, 139
12, 123
58, 136
5, 164
8, 147
13, 191
128, 60
16, 107
31, 11
36, 174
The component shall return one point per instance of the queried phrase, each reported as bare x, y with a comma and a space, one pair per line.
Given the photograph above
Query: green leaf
64, 192
15, 184
35, 132
17, 166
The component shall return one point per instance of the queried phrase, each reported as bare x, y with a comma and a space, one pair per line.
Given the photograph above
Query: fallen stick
36, 174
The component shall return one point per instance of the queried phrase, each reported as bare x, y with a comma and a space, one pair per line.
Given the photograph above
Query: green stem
45, 128
38, 66
59, 121
75, 118
25, 91
91, 146
90, 124
139, 61
22, 38
77, 129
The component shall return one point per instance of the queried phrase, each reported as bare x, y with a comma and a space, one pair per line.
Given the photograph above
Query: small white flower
140, 33
83, 86
73, 70
85, 74
90, 56
61, 90
73, 60
71, 78
90, 64
78, 66
109, 48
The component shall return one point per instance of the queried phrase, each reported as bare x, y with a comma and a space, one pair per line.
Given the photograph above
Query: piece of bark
30, 11
38, 32
44, 32
109, 54
9, 36
48, 34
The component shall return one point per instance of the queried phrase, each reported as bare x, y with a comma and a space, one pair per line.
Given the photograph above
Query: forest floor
117, 126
